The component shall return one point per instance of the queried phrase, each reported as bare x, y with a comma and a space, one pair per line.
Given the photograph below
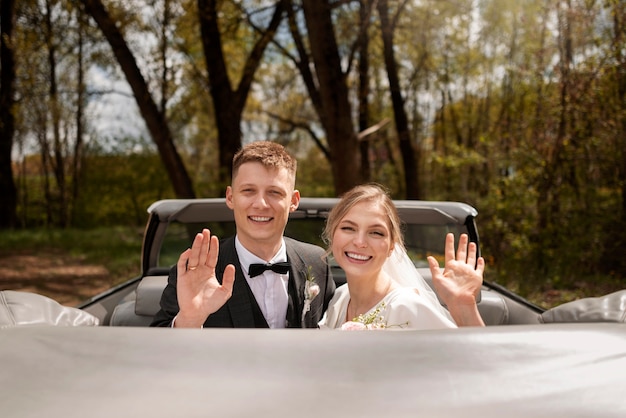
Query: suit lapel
297, 277
240, 305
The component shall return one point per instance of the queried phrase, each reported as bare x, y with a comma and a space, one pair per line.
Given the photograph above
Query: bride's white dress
404, 308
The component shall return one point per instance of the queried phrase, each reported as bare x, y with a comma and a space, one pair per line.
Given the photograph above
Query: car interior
173, 223
143, 303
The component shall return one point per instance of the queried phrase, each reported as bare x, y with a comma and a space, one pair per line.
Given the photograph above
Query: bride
384, 290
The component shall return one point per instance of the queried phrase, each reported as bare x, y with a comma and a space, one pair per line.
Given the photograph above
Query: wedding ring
192, 268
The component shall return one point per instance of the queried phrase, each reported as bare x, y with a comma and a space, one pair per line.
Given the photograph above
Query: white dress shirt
270, 289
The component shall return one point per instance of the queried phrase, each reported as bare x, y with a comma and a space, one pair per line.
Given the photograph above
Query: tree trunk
410, 156
619, 33
8, 191
549, 188
58, 162
155, 120
77, 161
227, 102
364, 87
335, 110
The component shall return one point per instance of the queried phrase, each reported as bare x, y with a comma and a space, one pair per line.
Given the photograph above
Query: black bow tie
256, 269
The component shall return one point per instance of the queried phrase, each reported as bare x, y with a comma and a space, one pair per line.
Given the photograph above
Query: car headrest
148, 295
24, 308
608, 308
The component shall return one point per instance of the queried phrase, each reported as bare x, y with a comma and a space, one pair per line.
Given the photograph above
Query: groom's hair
270, 154
370, 192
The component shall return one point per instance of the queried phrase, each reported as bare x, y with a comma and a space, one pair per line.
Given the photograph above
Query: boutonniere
311, 290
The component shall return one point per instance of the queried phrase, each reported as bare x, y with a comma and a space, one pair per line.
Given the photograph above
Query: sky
114, 114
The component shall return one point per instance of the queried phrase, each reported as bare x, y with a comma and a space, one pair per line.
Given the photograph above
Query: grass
116, 248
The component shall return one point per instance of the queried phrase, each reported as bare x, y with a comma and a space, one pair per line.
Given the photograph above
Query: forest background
517, 107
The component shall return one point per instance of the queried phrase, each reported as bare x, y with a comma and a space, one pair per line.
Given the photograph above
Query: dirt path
66, 279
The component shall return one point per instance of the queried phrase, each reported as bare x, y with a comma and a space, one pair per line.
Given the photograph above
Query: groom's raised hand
198, 290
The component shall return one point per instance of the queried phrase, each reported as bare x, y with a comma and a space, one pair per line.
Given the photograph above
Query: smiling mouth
357, 257
260, 218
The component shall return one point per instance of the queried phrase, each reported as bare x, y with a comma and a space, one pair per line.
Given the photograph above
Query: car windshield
421, 240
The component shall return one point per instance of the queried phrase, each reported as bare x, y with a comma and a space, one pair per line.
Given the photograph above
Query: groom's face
261, 198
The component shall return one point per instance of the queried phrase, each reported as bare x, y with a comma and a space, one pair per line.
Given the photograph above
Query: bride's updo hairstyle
370, 192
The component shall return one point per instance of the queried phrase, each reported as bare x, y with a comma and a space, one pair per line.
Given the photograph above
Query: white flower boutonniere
311, 290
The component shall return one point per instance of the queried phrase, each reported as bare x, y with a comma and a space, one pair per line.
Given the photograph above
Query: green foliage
516, 107
314, 178
117, 189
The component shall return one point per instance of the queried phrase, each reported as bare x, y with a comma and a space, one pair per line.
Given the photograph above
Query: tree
329, 91
616, 51
8, 191
53, 99
410, 156
229, 102
155, 119
363, 43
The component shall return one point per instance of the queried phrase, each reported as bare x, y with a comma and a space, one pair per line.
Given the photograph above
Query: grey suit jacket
241, 310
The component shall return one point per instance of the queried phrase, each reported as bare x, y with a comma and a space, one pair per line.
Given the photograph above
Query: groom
260, 279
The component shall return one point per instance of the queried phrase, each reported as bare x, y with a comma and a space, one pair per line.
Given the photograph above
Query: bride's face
362, 240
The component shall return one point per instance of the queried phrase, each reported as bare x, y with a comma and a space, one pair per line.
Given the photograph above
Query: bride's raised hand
198, 290
460, 281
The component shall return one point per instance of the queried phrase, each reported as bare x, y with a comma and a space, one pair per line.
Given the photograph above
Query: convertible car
101, 358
